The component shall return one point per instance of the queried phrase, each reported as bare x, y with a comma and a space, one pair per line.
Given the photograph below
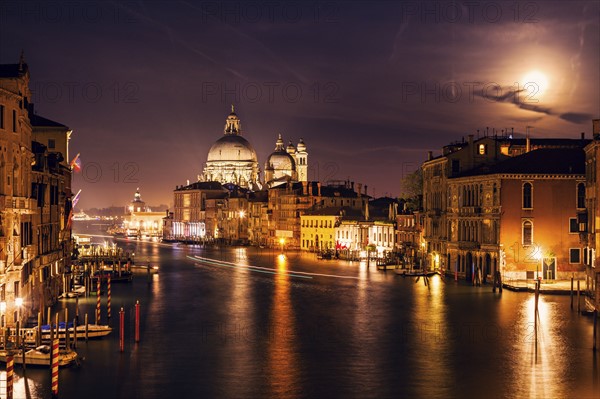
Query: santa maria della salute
233, 160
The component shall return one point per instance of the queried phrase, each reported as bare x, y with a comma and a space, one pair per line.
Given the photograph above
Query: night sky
369, 86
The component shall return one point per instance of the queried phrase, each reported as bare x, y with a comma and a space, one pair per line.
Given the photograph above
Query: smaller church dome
301, 147
290, 148
280, 160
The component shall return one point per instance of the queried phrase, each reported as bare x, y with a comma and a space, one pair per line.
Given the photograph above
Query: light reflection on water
219, 332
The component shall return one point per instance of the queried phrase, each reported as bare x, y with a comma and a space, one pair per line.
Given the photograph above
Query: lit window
527, 196
482, 149
527, 233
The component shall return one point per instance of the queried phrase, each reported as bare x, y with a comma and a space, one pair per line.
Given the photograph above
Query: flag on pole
75, 199
76, 163
74, 202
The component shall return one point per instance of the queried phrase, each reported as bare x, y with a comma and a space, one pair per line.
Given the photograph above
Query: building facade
35, 201
476, 221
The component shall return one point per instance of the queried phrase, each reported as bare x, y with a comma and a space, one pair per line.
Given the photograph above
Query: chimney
429, 155
352, 185
366, 189
319, 188
304, 188
359, 189
582, 135
527, 144
596, 128
367, 209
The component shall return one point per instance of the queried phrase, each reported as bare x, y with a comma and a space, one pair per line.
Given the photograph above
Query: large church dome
232, 148
231, 159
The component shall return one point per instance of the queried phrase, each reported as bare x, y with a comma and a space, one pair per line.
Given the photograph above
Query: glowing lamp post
19, 304
282, 242
538, 257
241, 215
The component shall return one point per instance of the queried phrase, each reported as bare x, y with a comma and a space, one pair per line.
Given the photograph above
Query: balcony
19, 204
468, 245
469, 210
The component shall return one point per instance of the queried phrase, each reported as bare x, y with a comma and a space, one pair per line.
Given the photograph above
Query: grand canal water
338, 329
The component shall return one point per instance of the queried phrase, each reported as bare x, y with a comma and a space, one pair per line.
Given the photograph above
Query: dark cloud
334, 73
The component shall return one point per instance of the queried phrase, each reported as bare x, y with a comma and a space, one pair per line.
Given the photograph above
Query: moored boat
94, 331
40, 356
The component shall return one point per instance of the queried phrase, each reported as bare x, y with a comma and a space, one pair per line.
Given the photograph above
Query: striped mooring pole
108, 296
98, 301
55, 367
122, 330
137, 321
10, 366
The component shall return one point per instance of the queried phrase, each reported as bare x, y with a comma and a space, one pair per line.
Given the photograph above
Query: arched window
580, 195
527, 196
527, 233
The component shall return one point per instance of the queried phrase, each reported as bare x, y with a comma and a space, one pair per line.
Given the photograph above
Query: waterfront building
590, 224
194, 211
318, 227
35, 201
476, 218
140, 220
258, 217
409, 237
51, 191
289, 201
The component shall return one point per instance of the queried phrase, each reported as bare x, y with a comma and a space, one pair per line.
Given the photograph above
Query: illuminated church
232, 159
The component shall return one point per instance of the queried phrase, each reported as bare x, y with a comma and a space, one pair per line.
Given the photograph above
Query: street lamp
19, 303
282, 242
538, 257
241, 214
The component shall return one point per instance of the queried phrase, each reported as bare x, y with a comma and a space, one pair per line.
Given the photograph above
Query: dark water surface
217, 330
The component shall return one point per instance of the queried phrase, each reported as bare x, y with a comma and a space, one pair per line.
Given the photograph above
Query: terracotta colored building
476, 218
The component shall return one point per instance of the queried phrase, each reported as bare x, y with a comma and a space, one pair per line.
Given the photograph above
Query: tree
412, 190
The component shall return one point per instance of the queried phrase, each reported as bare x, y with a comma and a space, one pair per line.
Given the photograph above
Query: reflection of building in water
140, 221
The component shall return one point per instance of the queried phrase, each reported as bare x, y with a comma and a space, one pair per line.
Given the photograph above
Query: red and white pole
55, 367
122, 330
137, 321
10, 366
98, 301
108, 296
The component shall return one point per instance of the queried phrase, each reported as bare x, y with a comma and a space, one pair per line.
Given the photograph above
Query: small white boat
40, 356
78, 291
94, 331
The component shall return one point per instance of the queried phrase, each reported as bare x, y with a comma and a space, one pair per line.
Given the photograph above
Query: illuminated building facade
140, 221
476, 220
35, 201
591, 223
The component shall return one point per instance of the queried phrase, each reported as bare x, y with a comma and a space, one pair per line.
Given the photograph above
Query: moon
535, 83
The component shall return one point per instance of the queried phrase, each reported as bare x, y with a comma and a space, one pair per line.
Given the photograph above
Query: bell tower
302, 161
